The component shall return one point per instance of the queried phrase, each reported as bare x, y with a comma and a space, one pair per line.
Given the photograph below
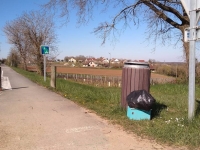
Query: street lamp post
109, 60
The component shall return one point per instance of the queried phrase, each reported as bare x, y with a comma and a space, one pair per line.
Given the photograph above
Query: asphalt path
34, 118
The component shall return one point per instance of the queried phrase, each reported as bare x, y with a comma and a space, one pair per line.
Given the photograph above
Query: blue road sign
44, 49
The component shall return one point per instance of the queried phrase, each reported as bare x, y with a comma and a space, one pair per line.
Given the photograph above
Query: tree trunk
40, 64
25, 66
186, 53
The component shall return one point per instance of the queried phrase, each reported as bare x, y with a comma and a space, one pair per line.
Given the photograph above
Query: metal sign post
191, 95
186, 5
192, 34
44, 67
44, 50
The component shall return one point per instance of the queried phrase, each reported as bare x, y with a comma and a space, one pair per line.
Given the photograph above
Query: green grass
169, 123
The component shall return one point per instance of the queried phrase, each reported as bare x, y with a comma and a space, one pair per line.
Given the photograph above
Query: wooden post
0, 80
53, 76
105, 80
119, 82
87, 78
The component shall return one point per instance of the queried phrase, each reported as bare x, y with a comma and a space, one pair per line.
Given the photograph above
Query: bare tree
13, 58
80, 58
166, 19
29, 32
39, 30
14, 33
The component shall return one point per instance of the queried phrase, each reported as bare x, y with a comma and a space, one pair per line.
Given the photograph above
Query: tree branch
160, 14
171, 10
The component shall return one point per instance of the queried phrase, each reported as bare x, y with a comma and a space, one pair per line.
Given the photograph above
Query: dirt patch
97, 71
91, 71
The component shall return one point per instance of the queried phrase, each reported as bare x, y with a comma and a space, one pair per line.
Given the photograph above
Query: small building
105, 61
115, 61
92, 64
72, 60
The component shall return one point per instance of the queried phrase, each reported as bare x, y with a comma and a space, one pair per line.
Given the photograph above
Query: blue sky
73, 40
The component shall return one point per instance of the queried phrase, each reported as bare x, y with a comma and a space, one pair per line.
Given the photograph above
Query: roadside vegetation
169, 123
177, 69
26, 34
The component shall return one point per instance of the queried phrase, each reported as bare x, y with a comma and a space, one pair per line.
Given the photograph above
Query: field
100, 72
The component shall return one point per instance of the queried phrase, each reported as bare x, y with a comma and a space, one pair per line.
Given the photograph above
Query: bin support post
53, 76
0, 80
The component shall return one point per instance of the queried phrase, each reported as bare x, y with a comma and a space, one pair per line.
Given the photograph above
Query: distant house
141, 60
92, 64
85, 65
80, 61
115, 61
105, 61
101, 61
87, 60
72, 60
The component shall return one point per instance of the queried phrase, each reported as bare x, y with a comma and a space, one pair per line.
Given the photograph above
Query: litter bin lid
136, 65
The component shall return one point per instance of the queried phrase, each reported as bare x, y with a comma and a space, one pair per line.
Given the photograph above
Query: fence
96, 80
99, 80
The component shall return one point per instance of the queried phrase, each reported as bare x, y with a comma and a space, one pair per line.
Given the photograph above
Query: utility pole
109, 60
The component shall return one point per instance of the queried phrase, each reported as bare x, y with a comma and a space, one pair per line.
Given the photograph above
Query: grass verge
169, 123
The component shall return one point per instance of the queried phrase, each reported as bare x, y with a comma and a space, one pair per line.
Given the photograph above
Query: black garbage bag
140, 99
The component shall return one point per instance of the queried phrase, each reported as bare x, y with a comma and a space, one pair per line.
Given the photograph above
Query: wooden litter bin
135, 76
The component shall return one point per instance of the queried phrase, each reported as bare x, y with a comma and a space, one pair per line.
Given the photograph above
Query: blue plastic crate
137, 114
